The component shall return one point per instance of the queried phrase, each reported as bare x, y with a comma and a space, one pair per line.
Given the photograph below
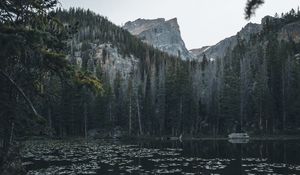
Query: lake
161, 157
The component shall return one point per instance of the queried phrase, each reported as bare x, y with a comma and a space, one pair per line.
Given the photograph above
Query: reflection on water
239, 141
161, 157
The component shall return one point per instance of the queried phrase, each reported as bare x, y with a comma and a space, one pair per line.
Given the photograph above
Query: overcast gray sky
202, 22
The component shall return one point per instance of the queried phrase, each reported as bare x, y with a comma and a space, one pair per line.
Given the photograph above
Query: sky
202, 22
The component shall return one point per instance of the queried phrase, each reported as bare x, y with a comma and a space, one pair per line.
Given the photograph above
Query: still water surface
161, 157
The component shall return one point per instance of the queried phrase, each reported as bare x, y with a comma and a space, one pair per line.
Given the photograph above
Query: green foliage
90, 81
34, 68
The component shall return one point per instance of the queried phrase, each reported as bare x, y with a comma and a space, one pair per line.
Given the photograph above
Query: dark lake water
161, 157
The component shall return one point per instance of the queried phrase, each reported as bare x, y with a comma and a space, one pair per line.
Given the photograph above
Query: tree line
253, 88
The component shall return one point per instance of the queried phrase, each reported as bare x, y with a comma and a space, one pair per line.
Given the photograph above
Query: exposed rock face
162, 34
267, 18
248, 30
110, 60
220, 49
112, 63
217, 51
200, 50
290, 32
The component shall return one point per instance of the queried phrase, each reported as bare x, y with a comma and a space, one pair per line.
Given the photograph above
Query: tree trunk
85, 120
260, 115
110, 114
11, 133
181, 115
130, 116
6, 135
139, 115
267, 126
50, 119
283, 101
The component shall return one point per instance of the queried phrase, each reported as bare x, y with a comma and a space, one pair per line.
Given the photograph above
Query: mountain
162, 34
221, 48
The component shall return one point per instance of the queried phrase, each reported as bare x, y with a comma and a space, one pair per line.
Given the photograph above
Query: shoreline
281, 137
166, 138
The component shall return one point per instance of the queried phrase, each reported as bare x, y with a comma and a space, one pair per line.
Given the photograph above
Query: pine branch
251, 6
8, 14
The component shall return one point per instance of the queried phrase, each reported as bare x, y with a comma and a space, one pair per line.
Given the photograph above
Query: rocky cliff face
220, 49
110, 60
287, 32
290, 32
162, 34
